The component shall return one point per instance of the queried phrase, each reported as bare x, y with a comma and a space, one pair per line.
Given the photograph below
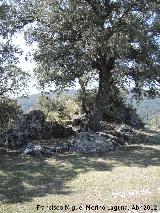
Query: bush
9, 111
60, 108
87, 99
154, 122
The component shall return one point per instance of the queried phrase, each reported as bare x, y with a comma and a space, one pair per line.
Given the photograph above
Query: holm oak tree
116, 40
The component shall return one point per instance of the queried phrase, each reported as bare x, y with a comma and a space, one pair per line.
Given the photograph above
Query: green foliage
118, 41
154, 122
60, 108
11, 77
9, 110
79, 37
88, 98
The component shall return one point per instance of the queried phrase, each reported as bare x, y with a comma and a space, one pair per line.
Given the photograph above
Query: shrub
60, 108
9, 111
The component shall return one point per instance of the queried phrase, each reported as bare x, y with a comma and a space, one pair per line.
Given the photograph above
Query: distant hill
147, 108
29, 103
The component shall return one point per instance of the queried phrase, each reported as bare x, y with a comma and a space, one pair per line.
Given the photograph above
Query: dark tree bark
104, 94
83, 96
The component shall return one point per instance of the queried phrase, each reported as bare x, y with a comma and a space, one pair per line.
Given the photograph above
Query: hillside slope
147, 108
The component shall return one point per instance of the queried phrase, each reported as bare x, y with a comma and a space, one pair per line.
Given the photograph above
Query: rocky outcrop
87, 142
41, 150
32, 126
56, 130
111, 138
35, 150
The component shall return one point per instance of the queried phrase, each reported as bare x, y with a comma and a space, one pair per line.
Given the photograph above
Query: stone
15, 139
63, 148
88, 142
37, 150
125, 128
29, 150
125, 132
40, 150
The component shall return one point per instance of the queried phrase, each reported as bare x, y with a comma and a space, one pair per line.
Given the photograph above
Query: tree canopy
9, 110
75, 37
117, 40
11, 76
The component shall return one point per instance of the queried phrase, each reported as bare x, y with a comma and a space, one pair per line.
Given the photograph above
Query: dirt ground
127, 180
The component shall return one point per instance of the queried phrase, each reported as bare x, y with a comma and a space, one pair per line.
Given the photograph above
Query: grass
125, 177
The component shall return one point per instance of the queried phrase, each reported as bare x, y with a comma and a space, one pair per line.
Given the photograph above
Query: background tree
11, 76
60, 108
9, 110
84, 93
118, 40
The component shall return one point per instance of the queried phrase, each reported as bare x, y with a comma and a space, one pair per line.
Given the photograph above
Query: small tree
86, 99
9, 110
60, 108
11, 76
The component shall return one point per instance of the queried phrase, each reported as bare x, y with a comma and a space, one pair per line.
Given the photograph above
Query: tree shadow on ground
132, 155
138, 156
24, 178
148, 137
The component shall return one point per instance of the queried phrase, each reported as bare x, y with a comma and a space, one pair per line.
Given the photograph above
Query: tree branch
96, 11
118, 23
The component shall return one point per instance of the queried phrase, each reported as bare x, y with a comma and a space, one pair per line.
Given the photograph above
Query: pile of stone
42, 150
87, 142
32, 126
101, 142
34, 150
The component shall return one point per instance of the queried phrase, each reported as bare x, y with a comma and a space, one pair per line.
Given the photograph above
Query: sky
26, 65
29, 65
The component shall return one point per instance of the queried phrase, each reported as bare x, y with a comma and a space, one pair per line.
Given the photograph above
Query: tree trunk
83, 95
103, 95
